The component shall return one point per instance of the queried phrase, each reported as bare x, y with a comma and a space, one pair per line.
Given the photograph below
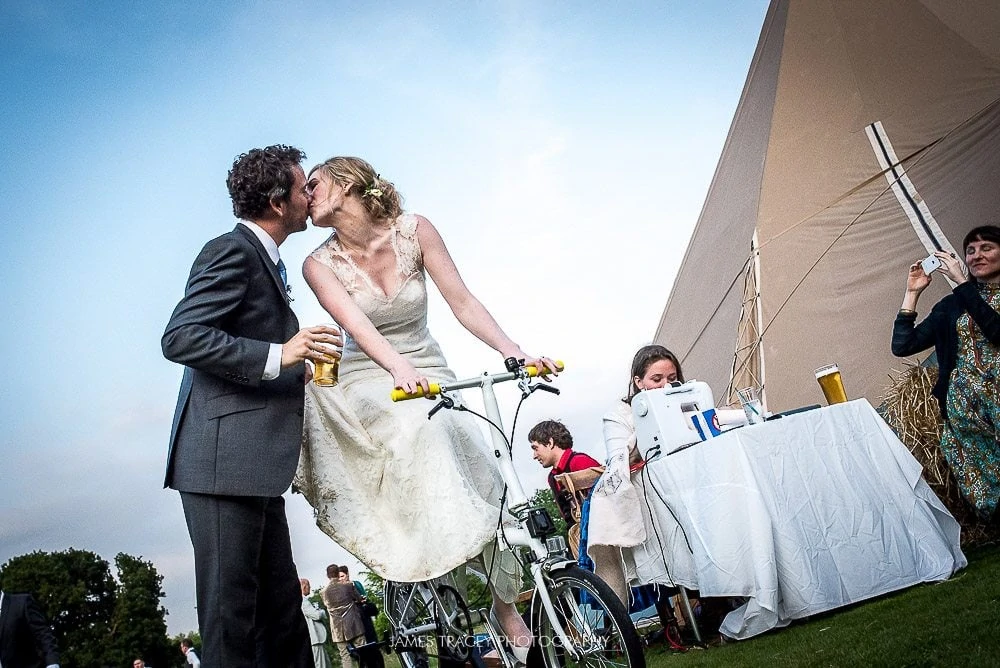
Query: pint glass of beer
326, 373
831, 383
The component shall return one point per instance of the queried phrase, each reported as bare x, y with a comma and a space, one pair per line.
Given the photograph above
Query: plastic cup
750, 401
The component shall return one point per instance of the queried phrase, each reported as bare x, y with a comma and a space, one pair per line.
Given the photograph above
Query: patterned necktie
283, 273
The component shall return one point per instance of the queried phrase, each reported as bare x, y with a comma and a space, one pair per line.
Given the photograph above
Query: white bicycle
575, 618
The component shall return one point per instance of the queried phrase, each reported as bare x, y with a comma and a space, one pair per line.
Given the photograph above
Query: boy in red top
552, 447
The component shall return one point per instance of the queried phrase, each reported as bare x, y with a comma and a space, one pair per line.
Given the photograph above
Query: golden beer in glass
831, 383
325, 374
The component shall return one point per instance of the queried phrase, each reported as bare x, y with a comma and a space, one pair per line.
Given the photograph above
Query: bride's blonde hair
378, 195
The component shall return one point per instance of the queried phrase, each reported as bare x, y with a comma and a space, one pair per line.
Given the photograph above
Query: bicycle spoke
599, 632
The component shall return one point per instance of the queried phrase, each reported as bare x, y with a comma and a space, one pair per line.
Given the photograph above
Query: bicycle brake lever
445, 402
547, 388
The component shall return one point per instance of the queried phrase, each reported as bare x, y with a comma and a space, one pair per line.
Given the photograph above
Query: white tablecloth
804, 514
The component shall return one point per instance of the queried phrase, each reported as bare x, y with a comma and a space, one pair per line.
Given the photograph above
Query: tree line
98, 619
101, 619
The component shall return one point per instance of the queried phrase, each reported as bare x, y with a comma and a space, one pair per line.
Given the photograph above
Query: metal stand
689, 613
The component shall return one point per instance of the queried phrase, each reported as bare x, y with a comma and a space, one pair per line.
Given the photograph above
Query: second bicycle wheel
597, 625
423, 620
408, 609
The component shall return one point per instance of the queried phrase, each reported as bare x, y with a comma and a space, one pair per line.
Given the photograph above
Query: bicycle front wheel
596, 624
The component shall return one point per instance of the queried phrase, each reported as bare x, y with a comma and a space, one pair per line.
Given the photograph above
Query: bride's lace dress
411, 498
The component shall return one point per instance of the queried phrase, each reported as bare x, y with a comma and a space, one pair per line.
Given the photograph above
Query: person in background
552, 447
369, 654
317, 629
187, 648
345, 576
26, 639
964, 328
342, 604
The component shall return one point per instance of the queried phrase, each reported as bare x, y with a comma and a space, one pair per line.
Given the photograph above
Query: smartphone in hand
930, 263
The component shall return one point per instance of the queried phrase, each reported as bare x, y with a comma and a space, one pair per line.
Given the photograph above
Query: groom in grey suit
237, 429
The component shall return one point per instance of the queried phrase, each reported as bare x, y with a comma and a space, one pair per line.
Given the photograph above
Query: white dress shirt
272, 368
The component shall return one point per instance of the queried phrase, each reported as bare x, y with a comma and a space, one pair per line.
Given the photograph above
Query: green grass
952, 623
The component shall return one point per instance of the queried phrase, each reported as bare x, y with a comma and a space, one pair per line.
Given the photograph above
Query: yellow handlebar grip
401, 395
533, 371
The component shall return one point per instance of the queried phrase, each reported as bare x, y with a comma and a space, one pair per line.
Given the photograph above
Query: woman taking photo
964, 329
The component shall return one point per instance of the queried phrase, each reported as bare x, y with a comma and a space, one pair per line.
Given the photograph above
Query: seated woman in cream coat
632, 536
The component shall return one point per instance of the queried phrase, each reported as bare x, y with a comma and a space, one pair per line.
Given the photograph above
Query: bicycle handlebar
438, 388
403, 395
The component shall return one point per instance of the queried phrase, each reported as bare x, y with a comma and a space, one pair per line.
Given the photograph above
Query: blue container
706, 423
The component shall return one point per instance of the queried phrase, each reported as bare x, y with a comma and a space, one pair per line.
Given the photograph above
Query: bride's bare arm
338, 303
469, 310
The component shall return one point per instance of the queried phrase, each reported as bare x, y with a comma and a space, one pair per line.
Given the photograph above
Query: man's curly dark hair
261, 175
551, 429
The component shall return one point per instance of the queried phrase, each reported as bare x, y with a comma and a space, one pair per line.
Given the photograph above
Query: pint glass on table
831, 383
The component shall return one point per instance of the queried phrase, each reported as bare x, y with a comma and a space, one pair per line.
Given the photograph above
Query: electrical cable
643, 472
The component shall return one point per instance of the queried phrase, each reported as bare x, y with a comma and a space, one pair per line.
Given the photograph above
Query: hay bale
912, 412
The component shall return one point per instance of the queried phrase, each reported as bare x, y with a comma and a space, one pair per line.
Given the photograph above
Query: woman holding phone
964, 329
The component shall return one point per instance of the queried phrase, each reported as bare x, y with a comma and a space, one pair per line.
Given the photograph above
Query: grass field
952, 623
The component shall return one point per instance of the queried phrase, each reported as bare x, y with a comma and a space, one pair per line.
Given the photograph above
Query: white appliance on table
674, 416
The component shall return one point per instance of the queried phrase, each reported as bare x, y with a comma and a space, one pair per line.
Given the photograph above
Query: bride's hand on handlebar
407, 378
544, 365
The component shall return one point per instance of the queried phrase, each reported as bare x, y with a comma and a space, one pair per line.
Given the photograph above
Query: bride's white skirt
411, 498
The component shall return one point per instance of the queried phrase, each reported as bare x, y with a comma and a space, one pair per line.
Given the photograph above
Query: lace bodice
403, 237
401, 317
411, 498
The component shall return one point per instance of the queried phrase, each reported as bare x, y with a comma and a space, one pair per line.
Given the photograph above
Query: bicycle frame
424, 594
517, 500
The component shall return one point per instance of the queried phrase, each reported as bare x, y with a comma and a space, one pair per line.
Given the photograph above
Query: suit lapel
269, 266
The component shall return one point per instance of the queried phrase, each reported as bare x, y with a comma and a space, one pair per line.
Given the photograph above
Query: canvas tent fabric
867, 135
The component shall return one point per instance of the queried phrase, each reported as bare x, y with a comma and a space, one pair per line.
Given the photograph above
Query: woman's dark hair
261, 175
981, 233
645, 358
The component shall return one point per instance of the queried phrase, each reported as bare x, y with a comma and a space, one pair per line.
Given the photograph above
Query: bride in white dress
411, 498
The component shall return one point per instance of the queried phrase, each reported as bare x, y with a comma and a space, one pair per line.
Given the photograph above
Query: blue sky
563, 151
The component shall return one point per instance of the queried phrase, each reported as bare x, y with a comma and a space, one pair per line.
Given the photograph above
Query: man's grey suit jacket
233, 434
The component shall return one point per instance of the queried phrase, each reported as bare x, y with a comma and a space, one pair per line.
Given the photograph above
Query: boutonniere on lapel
283, 276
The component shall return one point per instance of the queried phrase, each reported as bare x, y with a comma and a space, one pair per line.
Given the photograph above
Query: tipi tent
867, 135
